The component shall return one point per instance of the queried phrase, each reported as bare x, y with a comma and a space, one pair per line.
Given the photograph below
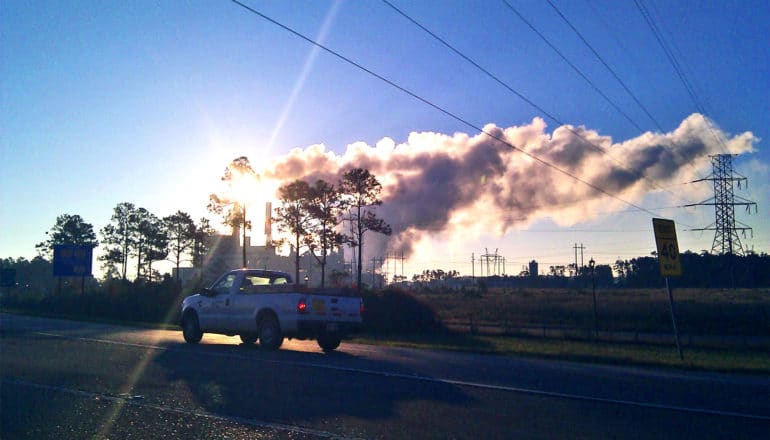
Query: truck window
251, 282
223, 286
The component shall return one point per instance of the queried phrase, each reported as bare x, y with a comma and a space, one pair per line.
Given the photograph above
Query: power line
574, 67
441, 109
606, 65
636, 173
669, 55
671, 41
677, 68
615, 75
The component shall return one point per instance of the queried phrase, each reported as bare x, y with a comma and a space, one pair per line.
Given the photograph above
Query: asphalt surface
65, 379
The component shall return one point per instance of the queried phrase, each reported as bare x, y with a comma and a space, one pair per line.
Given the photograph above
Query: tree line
135, 232
313, 217
312, 214
698, 270
702, 270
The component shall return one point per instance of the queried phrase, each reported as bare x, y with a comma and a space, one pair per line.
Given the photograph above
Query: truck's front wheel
191, 330
270, 336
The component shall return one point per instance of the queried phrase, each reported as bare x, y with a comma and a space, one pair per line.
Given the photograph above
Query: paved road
66, 379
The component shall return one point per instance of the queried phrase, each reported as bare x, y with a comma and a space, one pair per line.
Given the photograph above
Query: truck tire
191, 330
329, 341
270, 336
248, 338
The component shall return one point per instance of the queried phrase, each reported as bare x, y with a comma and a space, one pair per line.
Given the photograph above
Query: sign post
670, 264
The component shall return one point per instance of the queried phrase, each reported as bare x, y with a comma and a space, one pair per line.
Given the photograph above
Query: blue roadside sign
71, 260
7, 277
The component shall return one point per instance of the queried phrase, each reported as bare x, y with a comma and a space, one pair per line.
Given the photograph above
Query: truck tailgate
334, 308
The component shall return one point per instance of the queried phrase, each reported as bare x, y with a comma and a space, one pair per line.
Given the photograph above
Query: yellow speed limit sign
668, 248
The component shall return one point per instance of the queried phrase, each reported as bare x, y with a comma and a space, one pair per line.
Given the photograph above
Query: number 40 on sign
668, 248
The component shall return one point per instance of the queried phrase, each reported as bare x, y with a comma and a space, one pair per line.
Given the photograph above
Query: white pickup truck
266, 305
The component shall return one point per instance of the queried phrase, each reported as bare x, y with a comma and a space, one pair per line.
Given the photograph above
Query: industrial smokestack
268, 224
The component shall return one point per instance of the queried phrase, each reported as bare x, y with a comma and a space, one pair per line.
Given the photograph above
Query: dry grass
744, 312
665, 356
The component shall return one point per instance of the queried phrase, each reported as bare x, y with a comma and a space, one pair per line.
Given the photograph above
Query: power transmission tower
496, 261
724, 178
395, 258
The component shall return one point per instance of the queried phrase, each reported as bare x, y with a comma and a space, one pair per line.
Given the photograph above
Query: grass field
742, 312
731, 314
661, 356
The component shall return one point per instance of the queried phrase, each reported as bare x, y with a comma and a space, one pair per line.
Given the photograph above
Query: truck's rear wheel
329, 341
270, 336
191, 330
248, 338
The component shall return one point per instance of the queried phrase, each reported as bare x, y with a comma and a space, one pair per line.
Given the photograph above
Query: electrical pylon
724, 178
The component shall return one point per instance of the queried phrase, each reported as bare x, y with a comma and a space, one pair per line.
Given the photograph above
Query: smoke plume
461, 184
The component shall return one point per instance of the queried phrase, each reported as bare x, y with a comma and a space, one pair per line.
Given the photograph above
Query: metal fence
493, 328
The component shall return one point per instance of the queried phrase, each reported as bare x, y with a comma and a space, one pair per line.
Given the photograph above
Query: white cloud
436, 184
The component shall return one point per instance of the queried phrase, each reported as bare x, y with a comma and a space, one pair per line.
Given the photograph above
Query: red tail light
302, 306
361, 308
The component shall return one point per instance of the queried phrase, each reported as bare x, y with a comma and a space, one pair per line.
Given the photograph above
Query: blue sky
147, 102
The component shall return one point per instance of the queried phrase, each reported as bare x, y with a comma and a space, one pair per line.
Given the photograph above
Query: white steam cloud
461, 184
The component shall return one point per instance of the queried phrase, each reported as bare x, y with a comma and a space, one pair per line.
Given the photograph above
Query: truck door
216, 312
245, 301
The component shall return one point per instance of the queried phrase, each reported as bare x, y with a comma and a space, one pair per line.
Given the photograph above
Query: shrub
394, 310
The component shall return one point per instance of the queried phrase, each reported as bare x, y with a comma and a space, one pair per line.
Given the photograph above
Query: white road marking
381, 373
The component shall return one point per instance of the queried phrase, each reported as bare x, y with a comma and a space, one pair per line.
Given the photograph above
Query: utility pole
577, 268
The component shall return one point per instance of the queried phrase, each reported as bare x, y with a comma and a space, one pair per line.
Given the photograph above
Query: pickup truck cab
267, 306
